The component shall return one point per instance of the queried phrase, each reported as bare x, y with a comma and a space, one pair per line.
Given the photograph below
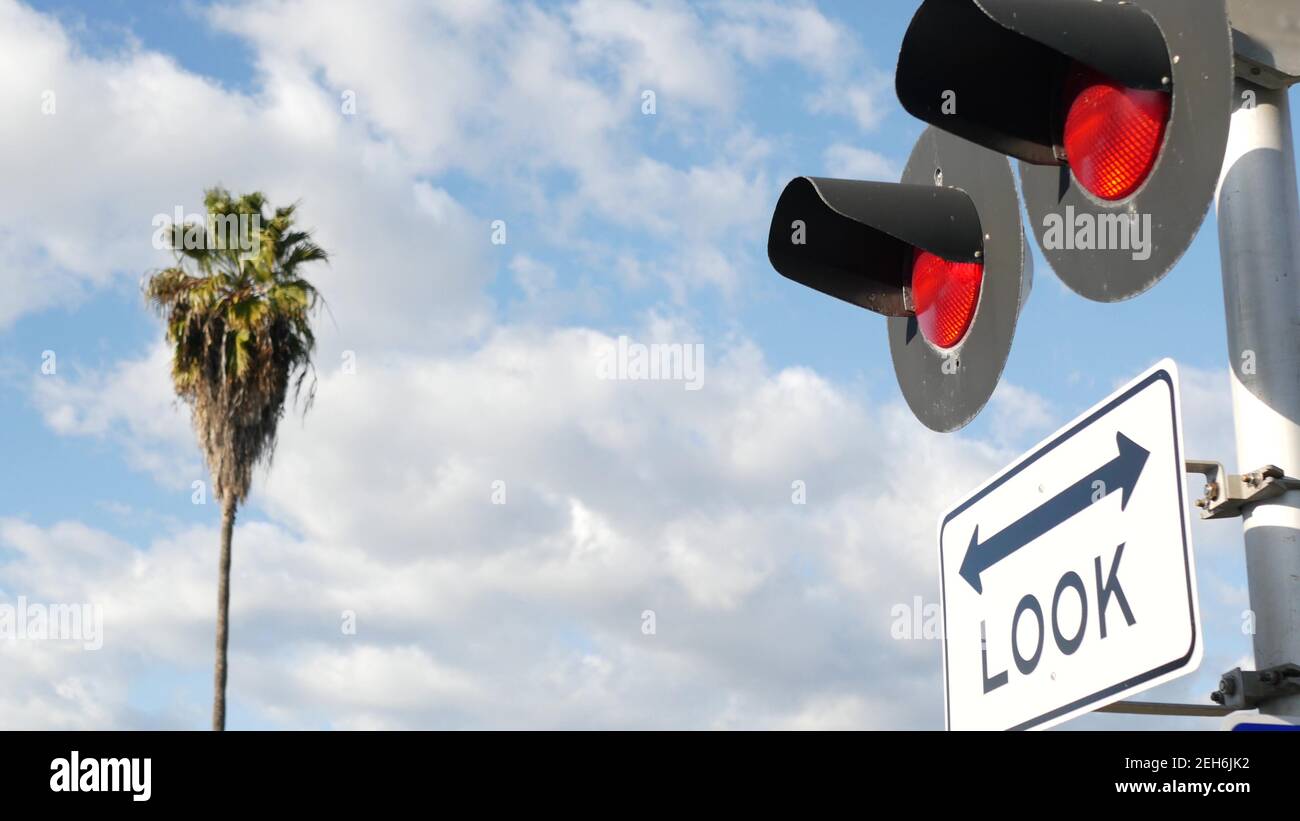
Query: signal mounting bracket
1227, 493
1266, 38
1246, 689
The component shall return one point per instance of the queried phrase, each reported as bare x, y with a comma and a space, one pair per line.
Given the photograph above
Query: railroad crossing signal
1118, 113
941, 253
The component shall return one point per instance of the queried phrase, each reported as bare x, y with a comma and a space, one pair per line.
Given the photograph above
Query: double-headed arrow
1120, 473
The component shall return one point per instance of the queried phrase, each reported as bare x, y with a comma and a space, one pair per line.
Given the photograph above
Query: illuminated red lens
944, 294
1112, 133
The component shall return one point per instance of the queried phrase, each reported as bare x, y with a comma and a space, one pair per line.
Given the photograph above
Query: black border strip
1161, 375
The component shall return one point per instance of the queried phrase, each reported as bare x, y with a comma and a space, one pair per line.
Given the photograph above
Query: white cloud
132, 402
533, 92
84, 222
865, 103
1207, 415
556, 90
524, 99
1019, 417
851, 162
763, 31
533, 278
621, 497
660, 46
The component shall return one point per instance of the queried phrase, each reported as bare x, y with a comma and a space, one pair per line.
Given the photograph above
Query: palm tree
239, 321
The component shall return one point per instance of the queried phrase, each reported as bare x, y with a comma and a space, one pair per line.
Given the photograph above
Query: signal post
1259, 246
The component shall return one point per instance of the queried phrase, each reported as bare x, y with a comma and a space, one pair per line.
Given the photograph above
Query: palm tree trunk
223, 616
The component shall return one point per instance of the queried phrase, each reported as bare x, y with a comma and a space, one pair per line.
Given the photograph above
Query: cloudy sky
456, 373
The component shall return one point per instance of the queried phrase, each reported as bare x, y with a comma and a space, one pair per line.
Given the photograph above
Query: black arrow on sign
1122, 472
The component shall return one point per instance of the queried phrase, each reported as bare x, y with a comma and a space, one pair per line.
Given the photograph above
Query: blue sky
471, 368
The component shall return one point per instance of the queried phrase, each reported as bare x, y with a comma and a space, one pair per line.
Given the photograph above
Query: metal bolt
1227, 686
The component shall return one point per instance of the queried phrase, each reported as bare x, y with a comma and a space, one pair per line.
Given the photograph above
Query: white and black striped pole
1259, 245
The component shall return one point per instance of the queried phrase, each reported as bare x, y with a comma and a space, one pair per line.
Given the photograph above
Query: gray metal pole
1259, 246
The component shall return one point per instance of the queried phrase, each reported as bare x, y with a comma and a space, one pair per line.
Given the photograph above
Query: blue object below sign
1255, 727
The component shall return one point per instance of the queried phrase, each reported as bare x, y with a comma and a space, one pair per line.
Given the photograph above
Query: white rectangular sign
1067, 580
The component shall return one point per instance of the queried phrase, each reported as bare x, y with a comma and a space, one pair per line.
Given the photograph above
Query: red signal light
1113, 133
944, 294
